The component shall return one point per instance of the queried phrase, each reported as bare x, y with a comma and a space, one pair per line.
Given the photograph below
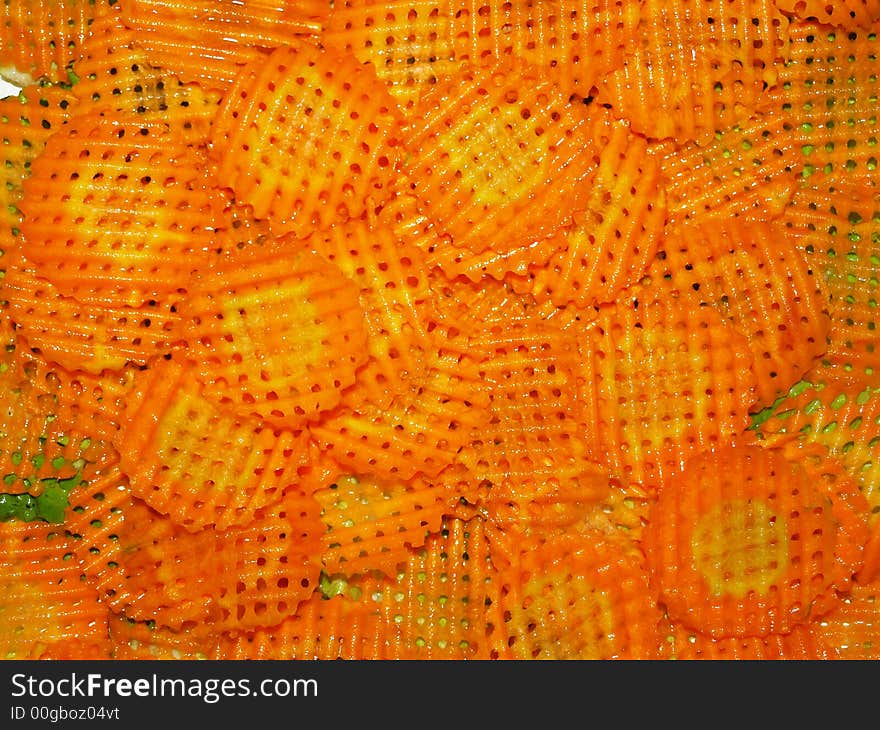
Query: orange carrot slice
846, 13
135, 205
577, 598
325, 120
754, 277
662, 381
189, 459
750, 541
277, 332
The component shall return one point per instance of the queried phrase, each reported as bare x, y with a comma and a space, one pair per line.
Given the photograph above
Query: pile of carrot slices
459, 329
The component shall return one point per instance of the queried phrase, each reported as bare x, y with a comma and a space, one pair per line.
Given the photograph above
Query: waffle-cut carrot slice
827, 92
745, 170
573, 42
197, 463
576, 597
337, 627
80, 337
501, 158
662, 380
116, 75
845, 13
277, 332
694, 68
26, 122
852, 629
844, 417
757, 279
237, 578
135, 205
613, 240
43, 603
747, 541
371, 524
408, 42
142, 640
321, 117
798, 645
42, 38
392, 279
836, 232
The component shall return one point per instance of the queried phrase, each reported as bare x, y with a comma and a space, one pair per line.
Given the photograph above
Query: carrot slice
42, 38
613, 240
662, 381
852, 629
277, 332
757, 279
135, 205
846, 13
798, 645
80, 337
237, 578
319, 116
725, 55
749, 541
578, 598
501, 157
192, 461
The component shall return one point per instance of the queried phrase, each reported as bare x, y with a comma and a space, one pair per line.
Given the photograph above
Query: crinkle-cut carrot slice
337, 627
371, 523
325, 120
43, 602
844, 417
135, 206
836, 232
142, 640
852, 628
746, 170
519, 260
236, 578
392, 279
751, 541
572, 42
500, 156
827, 93
116, 75
846, 14
612, 241
80, 337
26, 122
693, 68
408, 42
755, 277
42, 38
195, 462
436, 606
662, 380
577, 597
277, 332
798, 645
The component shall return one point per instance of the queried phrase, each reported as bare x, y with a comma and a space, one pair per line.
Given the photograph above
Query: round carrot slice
324, 119
578, 598
277, 332
748, 542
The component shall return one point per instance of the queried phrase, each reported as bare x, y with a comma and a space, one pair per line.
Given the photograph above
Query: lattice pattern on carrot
197, 463
237, 578
143, 640
324, 119
42, 38
729, 54
277, 332
502, 158
747, 542
844, 13
852, 629
662, 380
135, 206
577, 598
798, 645
751, 274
